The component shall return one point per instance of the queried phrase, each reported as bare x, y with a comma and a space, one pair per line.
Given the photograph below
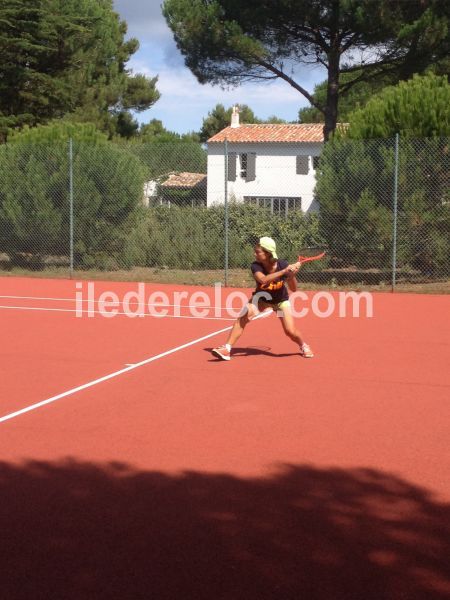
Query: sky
184, 102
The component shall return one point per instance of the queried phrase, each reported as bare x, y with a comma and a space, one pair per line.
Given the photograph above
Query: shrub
194, 238
355, 188
34, 195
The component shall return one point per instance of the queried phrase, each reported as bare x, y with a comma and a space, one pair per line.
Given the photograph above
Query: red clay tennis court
136, 465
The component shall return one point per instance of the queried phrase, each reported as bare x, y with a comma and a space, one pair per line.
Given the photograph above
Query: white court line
106, 377
94, 301
99, 312
117, 373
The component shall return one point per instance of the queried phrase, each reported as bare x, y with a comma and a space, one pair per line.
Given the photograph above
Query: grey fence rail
381, 208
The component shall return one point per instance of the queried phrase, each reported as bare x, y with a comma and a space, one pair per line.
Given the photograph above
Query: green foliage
61, 58
154, 131
355, 188
355, 184
194, 238
274, 120
424, 168
356, 97
219, 118
424, 235
368, 232
417, 108
57, 132
227, 42
30, 219
34, 195
352, 168
163, 157
195, 196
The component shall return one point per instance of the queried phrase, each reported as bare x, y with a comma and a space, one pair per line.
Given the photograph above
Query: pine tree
417, 108
220, 117
61, 58
34, 194
355, 185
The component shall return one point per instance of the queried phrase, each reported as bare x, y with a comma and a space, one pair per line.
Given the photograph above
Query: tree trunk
334, 58
331, 108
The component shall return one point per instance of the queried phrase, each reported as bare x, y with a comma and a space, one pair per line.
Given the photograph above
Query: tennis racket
311, 253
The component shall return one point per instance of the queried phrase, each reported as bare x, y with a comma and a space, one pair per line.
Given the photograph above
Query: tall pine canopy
356, 180
219, 118
229, 41
417, 108
62, 57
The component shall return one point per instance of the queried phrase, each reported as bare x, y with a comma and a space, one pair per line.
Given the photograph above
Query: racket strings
311, 253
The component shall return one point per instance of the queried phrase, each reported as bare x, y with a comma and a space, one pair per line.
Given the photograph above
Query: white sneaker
222, 353
306, 351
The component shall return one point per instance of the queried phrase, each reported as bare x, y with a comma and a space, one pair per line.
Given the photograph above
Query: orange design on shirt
274, 285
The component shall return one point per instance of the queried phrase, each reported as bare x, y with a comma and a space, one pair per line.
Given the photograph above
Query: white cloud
179, 83
144, 18
184, 102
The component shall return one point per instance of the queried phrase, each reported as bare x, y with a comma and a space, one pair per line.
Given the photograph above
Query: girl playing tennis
271, 275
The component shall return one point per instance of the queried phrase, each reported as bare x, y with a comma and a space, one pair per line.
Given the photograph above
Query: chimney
235, 117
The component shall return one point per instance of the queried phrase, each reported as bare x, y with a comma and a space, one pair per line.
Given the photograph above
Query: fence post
394, 233
71, 204
226, 214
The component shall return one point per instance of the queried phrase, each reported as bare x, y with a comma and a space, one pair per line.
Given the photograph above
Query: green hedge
34, 196
355, 189
194, 238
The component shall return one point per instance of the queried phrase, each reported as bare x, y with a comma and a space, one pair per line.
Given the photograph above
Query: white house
269, 164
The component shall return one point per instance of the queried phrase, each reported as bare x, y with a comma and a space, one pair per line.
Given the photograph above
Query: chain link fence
381, 208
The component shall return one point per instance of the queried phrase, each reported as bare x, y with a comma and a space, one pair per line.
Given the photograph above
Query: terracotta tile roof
282, 133
185, 180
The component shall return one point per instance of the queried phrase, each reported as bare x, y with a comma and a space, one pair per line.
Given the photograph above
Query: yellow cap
268, 244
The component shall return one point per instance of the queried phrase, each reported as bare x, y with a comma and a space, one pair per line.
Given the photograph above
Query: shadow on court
79, 531
253, 351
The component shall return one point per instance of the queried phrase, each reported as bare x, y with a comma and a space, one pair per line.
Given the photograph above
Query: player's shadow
74, 531
253, 351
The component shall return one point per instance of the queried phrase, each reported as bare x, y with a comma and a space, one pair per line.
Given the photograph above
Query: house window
277, 206
244, 165
315, 160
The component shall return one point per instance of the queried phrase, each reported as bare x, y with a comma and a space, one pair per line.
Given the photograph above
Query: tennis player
273, 278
